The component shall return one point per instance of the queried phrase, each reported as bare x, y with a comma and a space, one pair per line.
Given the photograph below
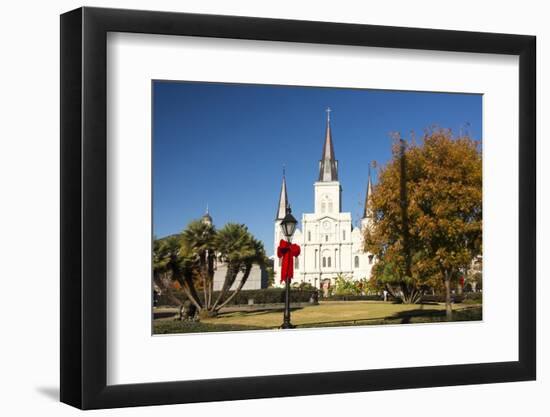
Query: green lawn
164, 326
326, 314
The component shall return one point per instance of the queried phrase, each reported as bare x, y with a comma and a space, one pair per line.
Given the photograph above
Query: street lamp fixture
288, 226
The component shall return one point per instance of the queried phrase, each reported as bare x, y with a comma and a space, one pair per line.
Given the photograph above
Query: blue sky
225, 145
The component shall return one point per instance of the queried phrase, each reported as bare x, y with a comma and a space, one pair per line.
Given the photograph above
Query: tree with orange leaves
427, 215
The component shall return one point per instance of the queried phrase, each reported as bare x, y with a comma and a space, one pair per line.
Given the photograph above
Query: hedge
471, 297
352, 297
277, 295
264, 296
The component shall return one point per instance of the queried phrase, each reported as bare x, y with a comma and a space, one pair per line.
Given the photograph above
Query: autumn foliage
426, 214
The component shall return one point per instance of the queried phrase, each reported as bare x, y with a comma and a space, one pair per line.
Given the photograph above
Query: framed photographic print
304, 207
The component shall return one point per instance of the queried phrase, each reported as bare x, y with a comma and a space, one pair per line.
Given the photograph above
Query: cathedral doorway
325, 286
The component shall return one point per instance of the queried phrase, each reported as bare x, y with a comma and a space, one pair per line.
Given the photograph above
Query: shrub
277, 295
353, 297
271, 296
473, 298
304, 286
263, 296
345, 286
468, 298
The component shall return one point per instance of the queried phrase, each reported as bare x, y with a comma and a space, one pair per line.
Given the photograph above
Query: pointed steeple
328, 165
367, 212
283, 200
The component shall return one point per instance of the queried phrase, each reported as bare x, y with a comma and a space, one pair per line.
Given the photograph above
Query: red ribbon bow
287, 251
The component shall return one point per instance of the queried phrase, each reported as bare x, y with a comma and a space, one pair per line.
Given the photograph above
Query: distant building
256, 280
330, 244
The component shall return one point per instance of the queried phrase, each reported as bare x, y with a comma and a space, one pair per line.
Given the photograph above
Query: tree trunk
238, 289
418, 294
412, 296
203, 273
448, 306
209, 278
407, 294
395, 294
175, 300
230, 276
164, 284
191, 292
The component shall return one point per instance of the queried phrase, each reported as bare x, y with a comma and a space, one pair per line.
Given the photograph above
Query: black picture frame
84, 207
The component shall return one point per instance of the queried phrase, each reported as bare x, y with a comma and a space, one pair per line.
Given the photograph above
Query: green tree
190, 259
344, 285
239, 250
427, 214
173, 261
200, 238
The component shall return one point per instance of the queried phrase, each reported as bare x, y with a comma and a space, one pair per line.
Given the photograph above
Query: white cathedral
330, 244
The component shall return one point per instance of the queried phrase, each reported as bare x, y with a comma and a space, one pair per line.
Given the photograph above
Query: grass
176, 326
326, 314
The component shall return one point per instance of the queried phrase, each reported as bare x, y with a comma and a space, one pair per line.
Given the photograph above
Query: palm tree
191, 257
239, 250
173, 261
256, 255
199, 238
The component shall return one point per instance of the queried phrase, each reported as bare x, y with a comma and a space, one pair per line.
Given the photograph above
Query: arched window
329, 265
356, 262
326, 238
343, 235
370, 259
324, 262
309, 236
315, 261
297, 263
326, 204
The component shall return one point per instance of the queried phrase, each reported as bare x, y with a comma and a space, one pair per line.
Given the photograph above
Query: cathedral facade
330, 244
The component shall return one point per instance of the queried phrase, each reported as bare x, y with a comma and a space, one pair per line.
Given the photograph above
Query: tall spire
367, 212
328, 165
283, 200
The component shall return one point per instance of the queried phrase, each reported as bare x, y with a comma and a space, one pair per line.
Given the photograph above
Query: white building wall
256, 280
327, 233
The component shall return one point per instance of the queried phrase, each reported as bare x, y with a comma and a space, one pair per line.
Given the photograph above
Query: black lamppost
288, 225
